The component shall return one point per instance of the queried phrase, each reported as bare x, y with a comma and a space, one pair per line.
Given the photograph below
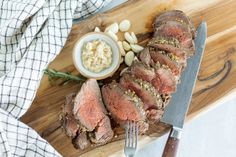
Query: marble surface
211, 134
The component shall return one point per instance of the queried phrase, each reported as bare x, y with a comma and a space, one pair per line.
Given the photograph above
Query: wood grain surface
216, 78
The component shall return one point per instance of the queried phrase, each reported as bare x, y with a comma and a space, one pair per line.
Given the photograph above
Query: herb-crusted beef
123, 105
174, 15
147, 93
89, 102
69, 123
168, 60
90, 112
81, 141
167, 81
144, 90
144, 57
169, 49
142, 71
175, 30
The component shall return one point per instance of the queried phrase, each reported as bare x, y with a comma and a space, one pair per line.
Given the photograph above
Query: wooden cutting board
216, 78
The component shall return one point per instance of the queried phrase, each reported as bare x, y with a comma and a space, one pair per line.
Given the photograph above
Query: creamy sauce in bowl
96, 55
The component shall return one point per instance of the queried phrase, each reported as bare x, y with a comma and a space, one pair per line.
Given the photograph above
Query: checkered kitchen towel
32, 33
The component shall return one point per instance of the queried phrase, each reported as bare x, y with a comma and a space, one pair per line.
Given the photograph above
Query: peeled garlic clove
129, 38
122, 51
121, 60
129, 57
112, 35
136, 48
126, 46
123, 71
124, 25
134, 37
113, 27
97, 29
135, 58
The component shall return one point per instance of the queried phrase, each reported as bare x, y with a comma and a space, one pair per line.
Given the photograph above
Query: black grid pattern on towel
32, 33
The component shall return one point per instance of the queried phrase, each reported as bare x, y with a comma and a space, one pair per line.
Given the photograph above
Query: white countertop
211, 134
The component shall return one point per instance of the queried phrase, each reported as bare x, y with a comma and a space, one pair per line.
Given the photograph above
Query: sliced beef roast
147, 93
167, 79
176, 34
142, 71
174, 15
81, 141
146, 73
145, 57
144, 90
180, 54
124, 105
154, 115
90, 112
102, 134
166, 59
69, 123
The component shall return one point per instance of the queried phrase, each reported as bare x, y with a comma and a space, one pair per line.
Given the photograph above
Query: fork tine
130, 133
136, 135
133, 135
127, 134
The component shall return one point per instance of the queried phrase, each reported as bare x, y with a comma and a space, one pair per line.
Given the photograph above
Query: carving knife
176, 111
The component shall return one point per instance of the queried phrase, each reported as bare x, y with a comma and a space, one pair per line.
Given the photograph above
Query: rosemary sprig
52, 73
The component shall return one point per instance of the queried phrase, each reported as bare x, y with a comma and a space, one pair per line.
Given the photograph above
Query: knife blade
176, 111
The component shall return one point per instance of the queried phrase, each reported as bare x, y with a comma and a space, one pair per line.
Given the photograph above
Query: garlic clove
124, 25
97, 29
113, 27
122, 51
129, 57
129, 38
121, 60
135, 58
136, 48
123, 71
126, 46
112, 35
134, 37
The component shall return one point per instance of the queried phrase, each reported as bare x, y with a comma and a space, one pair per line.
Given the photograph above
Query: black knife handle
172, 143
